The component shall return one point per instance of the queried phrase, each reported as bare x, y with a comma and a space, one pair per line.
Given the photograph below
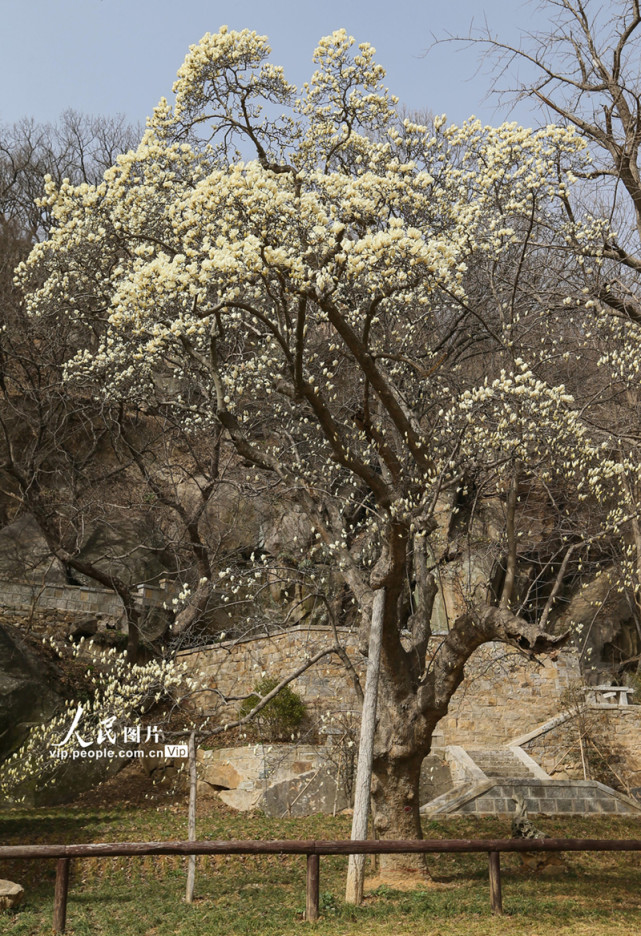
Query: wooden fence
313, 850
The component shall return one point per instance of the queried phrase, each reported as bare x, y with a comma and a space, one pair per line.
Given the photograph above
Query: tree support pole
356, 867
191, 821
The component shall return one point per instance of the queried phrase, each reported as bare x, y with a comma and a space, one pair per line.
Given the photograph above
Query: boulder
247, 766
224, 776
287, 527
10, 894
28, 690
205, 791
304, 795
604, 638
279, 779
30, 695
25, 555
72, 778
116, 550
242, 800
85, 626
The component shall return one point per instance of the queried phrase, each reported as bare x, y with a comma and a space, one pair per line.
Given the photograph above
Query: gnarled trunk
412, 701
395, 802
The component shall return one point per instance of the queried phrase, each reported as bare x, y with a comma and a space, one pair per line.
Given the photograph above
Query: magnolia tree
116, 694
358, 302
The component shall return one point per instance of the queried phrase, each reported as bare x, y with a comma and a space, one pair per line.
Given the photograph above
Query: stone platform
486, 783
493, 797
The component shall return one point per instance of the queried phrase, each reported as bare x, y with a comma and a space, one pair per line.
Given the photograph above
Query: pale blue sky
108, 56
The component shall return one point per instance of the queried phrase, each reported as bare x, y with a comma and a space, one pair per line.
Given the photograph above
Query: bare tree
584, 71
52, 443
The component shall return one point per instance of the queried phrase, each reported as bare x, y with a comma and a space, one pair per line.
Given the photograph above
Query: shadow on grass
21, 828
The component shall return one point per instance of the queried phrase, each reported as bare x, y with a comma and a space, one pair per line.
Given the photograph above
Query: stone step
500, 755
506, 775
500, 764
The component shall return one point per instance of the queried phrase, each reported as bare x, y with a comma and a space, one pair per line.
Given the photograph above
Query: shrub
281, 716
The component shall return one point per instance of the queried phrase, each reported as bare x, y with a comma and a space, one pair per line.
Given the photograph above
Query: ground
587, 895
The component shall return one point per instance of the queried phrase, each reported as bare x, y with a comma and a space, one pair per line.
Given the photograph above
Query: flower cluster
119, 691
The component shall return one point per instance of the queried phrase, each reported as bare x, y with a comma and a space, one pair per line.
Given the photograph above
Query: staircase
504, 763
485, 783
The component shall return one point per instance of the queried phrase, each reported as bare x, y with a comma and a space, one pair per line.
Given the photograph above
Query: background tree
79, 148
56, 461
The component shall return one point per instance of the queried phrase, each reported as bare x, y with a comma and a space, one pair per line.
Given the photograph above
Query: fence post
496, 900
60, 895
313, 880
191, 817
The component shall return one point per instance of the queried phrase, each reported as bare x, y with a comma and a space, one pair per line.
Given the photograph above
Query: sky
121, 56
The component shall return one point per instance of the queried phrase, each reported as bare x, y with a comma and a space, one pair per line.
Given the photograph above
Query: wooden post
496, 900
191, 822
313, 880
60, 895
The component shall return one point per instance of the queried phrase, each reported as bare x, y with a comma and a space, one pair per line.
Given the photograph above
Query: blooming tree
105, 722
358, 302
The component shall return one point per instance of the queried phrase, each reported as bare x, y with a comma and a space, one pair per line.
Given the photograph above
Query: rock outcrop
28, 690
279, 779
11, 895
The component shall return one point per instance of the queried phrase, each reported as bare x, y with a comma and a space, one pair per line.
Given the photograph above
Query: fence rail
312, 849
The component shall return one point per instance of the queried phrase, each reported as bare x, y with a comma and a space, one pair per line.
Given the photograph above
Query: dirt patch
402, 881
130, 787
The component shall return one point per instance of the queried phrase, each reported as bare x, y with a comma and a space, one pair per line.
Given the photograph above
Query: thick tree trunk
194, 611
133, 640
396, 808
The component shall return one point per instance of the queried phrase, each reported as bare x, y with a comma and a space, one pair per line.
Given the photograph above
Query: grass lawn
595, 894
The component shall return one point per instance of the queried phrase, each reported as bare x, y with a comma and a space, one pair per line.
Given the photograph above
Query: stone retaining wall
22, 596
624, 731
502, 695
616, 731
233, 668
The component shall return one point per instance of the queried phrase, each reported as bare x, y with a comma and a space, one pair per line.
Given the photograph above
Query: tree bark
411, 703
396, 808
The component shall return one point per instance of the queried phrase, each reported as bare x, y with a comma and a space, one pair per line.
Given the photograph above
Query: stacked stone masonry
502, 695
616, 730
22, 596
234, 668
550, 797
